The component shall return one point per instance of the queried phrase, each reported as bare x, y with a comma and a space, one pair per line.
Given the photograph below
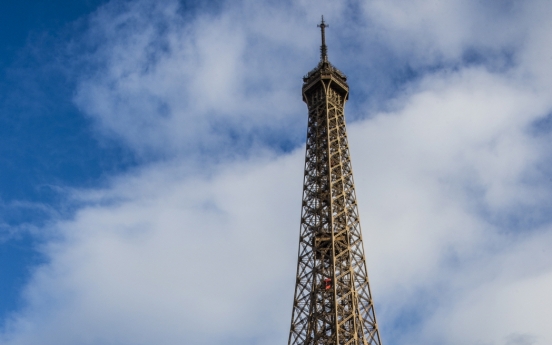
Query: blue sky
152, 157
20, 22
45, 141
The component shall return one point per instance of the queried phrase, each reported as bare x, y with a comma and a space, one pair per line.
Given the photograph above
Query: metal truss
333, 303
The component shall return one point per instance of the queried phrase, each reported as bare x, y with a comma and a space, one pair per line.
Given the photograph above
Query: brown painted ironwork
333, 302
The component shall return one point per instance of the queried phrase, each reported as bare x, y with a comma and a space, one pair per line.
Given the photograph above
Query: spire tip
323, 48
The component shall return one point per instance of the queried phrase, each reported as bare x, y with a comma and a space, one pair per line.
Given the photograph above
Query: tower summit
333, 302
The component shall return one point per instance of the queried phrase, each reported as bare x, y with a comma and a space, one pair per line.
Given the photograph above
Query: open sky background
151, 157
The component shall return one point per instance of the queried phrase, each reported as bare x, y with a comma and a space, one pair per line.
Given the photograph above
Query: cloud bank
449, 135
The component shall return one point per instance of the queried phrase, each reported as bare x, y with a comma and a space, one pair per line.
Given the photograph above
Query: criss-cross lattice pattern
333, 303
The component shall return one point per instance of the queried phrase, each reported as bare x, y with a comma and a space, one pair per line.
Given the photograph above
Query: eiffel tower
333, 302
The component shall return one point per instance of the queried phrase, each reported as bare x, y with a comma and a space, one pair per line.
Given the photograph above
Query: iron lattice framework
333, 303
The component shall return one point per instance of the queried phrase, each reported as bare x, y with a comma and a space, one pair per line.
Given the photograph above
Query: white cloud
165, 259
436, 31
171, 85
443, 176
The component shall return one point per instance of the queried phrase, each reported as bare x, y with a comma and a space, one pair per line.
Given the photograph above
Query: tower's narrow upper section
325, 72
